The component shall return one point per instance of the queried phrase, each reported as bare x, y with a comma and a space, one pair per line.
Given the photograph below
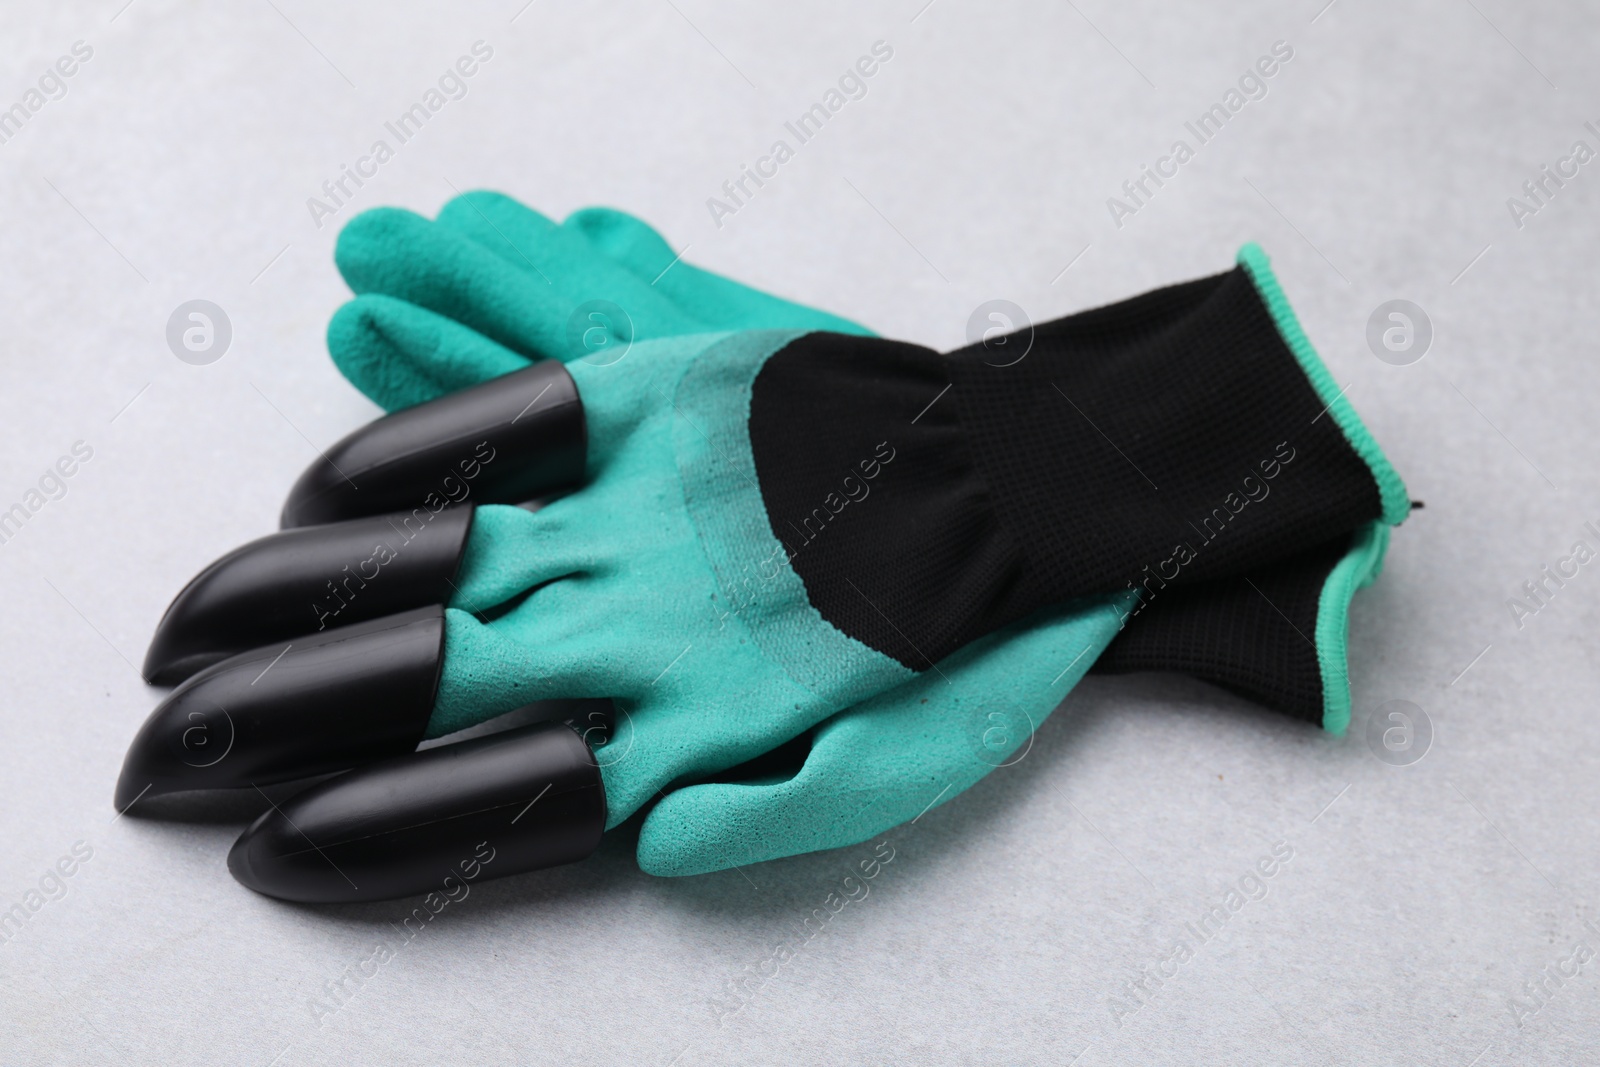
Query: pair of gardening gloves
821, 581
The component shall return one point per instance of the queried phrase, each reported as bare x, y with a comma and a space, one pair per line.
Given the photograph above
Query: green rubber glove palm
492, 263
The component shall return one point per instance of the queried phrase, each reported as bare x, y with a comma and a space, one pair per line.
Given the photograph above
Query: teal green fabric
888, 760
1358, 569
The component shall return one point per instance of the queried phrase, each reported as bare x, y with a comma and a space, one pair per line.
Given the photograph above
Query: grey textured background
1419, 900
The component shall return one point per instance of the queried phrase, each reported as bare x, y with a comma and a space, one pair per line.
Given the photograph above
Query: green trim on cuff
1355, 571
1391, 490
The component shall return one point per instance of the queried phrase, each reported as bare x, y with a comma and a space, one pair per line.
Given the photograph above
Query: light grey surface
1419, 899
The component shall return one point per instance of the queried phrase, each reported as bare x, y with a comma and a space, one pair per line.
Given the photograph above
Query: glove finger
625, 239
297, 583
719, 302
319, 703
565, 257
655, 743
531, 654
612, 254
543, 610
889, 759
524, 238
681, 710
517, 437
430, 822
401, 355
401, 254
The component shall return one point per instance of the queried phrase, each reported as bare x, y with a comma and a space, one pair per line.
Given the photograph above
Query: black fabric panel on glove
1253, 634
1170, 439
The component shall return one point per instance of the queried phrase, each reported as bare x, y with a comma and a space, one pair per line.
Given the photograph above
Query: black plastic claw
312, 705
306, 581
431, 822
512, 438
